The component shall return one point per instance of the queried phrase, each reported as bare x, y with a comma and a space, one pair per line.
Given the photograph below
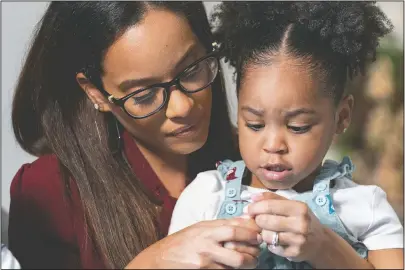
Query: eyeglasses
147, 101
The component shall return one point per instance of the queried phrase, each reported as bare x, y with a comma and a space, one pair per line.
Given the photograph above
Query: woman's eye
193, 70
145, 99
299, 130
255, 127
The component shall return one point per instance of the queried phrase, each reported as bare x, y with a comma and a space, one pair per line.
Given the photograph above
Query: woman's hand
300, 234
201, 246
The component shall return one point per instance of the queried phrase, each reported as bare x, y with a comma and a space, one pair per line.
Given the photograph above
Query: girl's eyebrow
294, 113
257, 112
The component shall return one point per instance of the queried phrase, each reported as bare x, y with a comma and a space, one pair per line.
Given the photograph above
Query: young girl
292, 60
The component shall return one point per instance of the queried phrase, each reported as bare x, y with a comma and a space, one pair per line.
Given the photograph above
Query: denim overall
319, 201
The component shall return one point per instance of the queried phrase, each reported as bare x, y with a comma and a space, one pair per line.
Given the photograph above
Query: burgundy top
46, 232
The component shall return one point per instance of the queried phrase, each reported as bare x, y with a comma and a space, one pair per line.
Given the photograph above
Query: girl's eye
255, 127
299, 130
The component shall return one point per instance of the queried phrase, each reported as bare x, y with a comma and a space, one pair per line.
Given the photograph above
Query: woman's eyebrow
131, 83
128, 84
189, 52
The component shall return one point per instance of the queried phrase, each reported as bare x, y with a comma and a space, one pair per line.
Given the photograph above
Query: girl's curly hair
341, 37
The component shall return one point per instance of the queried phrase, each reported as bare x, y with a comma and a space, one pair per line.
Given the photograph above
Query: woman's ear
96, 97
344, 114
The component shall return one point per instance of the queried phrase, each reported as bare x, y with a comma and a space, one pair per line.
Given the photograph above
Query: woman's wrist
335, 252
141, 261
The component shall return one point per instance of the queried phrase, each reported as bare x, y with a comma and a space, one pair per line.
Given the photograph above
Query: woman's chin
188, 144
187, 148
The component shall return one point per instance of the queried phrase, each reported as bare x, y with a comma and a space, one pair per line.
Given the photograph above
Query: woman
122, 103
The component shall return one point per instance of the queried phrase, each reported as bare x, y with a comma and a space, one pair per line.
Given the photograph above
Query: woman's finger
253, 250
234, 233
243, 222
246, 222
232, 258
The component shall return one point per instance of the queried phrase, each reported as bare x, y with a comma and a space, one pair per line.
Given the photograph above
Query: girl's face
286, 124
154, 51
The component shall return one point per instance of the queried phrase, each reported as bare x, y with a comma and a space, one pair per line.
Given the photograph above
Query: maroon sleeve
41, 233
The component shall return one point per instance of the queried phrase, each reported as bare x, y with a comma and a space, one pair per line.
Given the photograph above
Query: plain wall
18, 22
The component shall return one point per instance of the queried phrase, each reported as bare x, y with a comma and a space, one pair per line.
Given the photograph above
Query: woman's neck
170, 168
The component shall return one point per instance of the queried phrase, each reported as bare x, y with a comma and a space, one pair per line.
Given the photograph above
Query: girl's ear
99, 100
344, 114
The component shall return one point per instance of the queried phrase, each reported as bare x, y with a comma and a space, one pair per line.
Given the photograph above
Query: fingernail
256, 197
245, 217
259, 239
245, 209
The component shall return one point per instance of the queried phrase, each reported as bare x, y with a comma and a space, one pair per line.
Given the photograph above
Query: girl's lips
272, 175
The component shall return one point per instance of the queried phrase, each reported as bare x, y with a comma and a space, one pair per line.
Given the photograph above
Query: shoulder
208, 181
351, 201
367, 214
199, 201
347, 189
347, 193
39, 177
38, 196
8, 261
205, 187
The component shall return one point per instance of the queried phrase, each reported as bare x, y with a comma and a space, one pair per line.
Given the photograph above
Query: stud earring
96, 106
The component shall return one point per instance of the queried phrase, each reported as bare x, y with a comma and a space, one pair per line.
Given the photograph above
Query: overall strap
232, 173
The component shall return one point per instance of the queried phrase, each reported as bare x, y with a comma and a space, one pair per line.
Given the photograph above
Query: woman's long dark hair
52, 115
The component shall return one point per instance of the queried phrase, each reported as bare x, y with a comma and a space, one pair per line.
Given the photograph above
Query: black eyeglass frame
167, 85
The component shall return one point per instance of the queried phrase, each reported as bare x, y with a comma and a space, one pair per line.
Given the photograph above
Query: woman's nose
179, 104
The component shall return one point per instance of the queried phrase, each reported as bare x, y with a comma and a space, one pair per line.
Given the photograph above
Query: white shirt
7, 259
364, 210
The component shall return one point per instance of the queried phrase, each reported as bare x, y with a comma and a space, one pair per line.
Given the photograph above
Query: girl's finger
277, 207
282, 224
267, 196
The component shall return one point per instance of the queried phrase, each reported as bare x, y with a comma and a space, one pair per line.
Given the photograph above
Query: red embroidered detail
230, 175
217, 164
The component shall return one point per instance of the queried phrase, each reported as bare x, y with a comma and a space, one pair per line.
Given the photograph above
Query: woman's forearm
338, 254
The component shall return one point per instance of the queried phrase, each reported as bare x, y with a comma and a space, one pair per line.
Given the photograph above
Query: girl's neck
170, 168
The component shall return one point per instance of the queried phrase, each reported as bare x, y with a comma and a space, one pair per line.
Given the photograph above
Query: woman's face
153, 51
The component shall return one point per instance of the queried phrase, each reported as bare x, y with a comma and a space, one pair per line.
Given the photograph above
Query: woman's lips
182, 131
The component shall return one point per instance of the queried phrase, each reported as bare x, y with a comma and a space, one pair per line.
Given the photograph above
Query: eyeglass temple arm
111, 99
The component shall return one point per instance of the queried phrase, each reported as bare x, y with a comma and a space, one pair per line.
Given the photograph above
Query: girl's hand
201, 246
300, 234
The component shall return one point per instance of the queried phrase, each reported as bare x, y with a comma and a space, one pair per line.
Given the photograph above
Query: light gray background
18, 22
